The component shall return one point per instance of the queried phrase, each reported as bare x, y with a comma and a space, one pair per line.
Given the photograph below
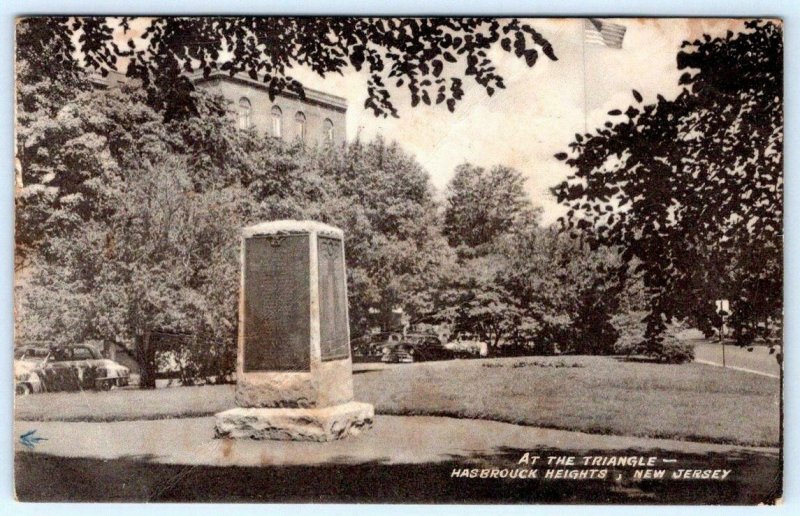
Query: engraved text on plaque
332, 300
277, 303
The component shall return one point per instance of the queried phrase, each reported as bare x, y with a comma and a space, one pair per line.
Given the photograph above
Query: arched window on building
328, 128
300, 122
244, 113
277, 122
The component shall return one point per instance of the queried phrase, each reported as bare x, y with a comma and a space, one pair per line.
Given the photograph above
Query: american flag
602, 33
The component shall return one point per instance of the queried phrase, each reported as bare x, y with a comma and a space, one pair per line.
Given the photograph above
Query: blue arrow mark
30, 440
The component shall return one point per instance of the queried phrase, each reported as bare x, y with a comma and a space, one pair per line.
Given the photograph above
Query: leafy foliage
571, 290
429, 57
691, 189
139, 233
516, 284
128, 220
384, 202
483, 205
475, 302
674, 351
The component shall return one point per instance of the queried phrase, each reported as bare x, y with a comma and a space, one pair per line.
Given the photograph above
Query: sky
541, 109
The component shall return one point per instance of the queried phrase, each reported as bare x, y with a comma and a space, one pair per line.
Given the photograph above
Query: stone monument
293, 371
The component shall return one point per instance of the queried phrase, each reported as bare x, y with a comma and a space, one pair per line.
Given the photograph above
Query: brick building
319, 119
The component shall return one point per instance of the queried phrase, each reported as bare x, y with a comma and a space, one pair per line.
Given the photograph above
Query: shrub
631, 327
524, 349
674, 351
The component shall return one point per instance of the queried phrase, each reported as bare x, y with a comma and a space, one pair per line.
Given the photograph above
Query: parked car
26, 361
416, 348
468, 346
373, 345
398, 353
66, 368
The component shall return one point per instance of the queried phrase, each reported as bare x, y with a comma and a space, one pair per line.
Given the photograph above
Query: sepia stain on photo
399, 260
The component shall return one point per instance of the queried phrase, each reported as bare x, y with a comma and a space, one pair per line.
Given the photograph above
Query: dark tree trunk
146, 357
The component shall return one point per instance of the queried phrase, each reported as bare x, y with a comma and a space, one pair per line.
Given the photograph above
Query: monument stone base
295, 424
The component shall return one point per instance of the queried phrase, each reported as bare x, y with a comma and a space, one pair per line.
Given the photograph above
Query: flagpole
583, 58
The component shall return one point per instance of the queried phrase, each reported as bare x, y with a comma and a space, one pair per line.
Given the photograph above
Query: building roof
313, 96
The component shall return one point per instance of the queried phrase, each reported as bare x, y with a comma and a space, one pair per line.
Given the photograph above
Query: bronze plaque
276, 303
333, 322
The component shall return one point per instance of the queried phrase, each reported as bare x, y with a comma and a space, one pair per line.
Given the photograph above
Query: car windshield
61, 355
82, 353
30, 354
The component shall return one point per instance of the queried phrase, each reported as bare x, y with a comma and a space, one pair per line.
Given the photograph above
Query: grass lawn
608, 396
602, 395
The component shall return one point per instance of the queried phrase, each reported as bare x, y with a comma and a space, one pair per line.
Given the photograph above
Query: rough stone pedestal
294, 374
320, 424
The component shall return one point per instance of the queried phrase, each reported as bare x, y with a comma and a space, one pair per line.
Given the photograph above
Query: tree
131, 223
164, 259
485, 209
476, 302
484, 204
67, 152
570, 290
691, 189
384, 201
47, 79
139, 230
538, 289
427, 56
43, 46
70, 152
74, 143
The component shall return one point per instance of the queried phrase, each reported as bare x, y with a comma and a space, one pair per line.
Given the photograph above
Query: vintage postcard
399, 260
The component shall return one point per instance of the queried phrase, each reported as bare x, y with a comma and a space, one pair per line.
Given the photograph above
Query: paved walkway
758, 361
735, 368
392, 440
